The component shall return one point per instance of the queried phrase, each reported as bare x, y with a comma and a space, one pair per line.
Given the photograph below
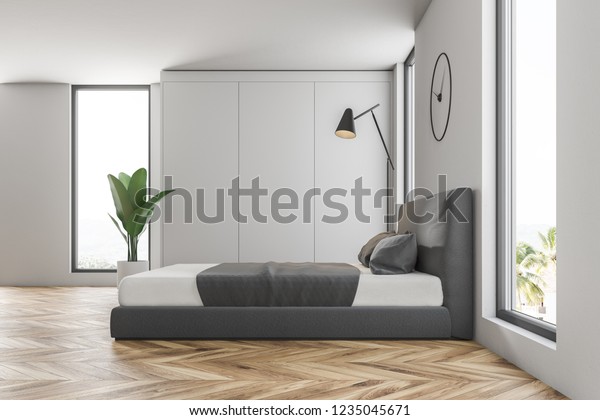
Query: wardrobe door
344, 222
200, 154
277, 149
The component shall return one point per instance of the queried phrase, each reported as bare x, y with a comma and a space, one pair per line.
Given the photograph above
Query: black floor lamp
346, 130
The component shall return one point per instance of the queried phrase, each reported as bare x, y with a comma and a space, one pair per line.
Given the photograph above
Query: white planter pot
128, 268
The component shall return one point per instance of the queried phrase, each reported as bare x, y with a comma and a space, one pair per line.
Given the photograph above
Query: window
527, 164
110, 135
409, 125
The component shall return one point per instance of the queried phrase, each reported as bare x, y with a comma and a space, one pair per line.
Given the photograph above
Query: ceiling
130, 41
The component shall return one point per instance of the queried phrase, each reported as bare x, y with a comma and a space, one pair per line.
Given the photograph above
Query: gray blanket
278, 284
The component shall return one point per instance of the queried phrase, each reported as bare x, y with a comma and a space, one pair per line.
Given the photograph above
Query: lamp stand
379, 131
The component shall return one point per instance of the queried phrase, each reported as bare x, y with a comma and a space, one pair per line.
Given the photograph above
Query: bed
435, 301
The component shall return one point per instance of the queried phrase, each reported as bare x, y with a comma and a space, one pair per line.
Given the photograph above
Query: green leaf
124, 178
118, 227
152, 202
120, 196
136, 224
137, 184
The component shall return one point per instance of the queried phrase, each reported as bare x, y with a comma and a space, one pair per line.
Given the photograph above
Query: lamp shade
345, 128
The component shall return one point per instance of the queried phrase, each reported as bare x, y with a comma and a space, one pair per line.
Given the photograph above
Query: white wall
155, 230
338, 163
316, 102
199, 150
465, 29
452, 27
455, 27
277, 146
578, 151
34, 180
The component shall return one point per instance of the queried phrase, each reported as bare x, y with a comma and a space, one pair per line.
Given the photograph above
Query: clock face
440, 98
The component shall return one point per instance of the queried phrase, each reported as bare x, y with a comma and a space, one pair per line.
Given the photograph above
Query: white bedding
175, 285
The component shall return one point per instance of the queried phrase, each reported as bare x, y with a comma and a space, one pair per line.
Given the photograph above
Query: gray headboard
443, 225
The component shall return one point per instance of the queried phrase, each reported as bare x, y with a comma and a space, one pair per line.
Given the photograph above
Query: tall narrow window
409, 125
527, 164
110, 135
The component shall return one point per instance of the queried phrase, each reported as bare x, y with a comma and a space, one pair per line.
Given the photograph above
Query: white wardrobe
273, 130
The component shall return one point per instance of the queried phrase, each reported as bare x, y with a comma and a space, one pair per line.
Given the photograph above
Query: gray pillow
395, 255
364, 256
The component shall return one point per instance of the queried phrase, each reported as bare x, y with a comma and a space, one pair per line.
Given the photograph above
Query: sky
535, 117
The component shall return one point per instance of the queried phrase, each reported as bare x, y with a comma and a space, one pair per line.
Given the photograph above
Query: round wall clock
440, 100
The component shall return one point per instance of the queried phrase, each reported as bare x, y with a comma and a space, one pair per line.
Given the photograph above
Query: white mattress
175, 285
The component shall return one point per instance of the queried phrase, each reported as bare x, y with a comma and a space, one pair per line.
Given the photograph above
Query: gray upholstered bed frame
443, 226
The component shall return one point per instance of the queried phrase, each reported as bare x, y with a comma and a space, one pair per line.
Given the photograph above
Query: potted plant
134, 211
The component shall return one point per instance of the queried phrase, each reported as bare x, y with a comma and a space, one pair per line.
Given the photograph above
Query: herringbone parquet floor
55, 344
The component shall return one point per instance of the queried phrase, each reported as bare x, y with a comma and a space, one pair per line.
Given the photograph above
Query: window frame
74, 166
409, 125
506, 232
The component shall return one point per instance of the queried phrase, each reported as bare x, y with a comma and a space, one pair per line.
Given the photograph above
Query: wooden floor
55, 344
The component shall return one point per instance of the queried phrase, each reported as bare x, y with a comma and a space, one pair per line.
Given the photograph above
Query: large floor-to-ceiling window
110, 135
527, 164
